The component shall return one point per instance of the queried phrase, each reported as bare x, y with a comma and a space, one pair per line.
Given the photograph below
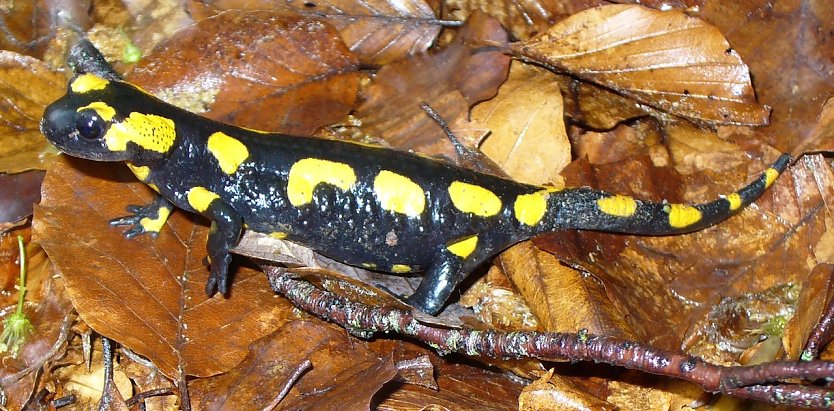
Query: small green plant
16, 327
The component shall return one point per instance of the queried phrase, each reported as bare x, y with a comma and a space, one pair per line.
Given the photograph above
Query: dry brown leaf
554, 392
297, 67
147, 294
450, 81
813, 300
17, 194
377, 31
528, 138
821, 136
27, 85
665, 60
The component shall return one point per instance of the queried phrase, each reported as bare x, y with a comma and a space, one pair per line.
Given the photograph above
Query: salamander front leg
145, 219
438, 284
226, 226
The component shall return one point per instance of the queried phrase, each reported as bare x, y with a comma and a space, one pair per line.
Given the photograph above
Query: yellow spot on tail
682, 215
154, 225
88, 82
101, 108
399, 194
477, 200
400, 268
734, 200
200, 199
148, 131
617, 205
279, 235
530, 208
141, 172
307, 173
228, 151
770, 176
465, 247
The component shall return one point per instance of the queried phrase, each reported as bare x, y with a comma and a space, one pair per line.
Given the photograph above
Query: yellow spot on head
141, 172
228, 151
88, 82
617, 205
734, 200
399, 194
465, 247
530, 208
101, 108
151, 132
200, 199
477, 200
307, 173
279, 235
682, 215
154, 225
400, 268
770, 176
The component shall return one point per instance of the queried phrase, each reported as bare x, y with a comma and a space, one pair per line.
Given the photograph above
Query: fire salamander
365, 205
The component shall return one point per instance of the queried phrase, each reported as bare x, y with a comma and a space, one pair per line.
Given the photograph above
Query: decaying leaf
554, 392
665, 60
250, 60
175, 325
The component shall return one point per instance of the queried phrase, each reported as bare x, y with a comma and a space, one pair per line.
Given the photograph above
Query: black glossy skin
349, 226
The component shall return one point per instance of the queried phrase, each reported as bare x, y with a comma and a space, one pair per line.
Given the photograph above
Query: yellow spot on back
228, 151
734, 200
617, 205
465, 247
477, 200
279, 235
307, 173
200, 199
400, 268
101, 108
149, 131
529, 209
369, 265
141, 172
154, 225
399, 194
770, 176
153, 187
88, 82
682, 215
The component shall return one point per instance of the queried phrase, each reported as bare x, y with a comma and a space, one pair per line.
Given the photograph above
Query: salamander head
104, 120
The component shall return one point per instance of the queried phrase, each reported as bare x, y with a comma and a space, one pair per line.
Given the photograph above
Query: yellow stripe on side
617, 205
682, 215
141, 172
529, 209
477, 200
399, 194
149, 131
88, 82
770, 176
154, 225
400, 268
228, 151
465, 247
200, 198
307, 173
101, 108
280, 235
734, 200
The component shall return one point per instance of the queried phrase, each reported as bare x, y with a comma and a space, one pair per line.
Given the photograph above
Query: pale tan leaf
555, 392
666, 60
528, 138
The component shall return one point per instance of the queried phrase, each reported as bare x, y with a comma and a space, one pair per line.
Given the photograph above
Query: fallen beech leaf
344, 375
297, 67
821, 136
528, 138
554, 392
523, 19
28, 25
27, 86
813, 300
147, 294
666, 60
450, 81
18, 192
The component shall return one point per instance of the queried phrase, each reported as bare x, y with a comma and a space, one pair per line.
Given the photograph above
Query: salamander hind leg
453, 263
147, 219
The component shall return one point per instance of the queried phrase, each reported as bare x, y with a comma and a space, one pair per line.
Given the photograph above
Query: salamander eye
89, 124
